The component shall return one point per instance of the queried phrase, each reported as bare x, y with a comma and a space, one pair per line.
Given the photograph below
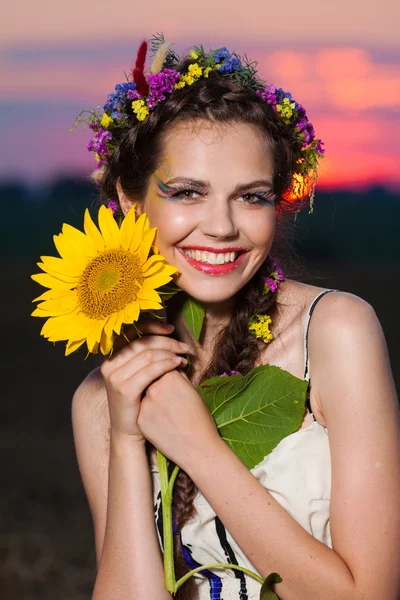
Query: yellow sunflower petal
147, 305
141, 226
51, 295
61, 266
132, 312
157, 258
62, 276
69, 252
58, 306
119, 322
148, 238
79, 240
159, 279
128, 229
73, 345
92, 232
51, 282
106, 344
70, 326
148, 294
93, 336
109, 228
109, 326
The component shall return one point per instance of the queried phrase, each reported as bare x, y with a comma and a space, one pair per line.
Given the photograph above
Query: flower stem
219, 566
166, 501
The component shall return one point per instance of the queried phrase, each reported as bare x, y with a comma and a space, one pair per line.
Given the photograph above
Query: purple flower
269, 95
319, 149
160, 84
98, 144
113, 204
273, 286
230, 373
133, 95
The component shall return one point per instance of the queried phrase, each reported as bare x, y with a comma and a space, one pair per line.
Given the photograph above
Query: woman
211, 164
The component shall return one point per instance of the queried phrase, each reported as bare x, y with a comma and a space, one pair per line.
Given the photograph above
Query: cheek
261, 230
173, 223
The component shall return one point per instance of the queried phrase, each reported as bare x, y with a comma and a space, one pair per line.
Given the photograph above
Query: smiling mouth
211, 258
214, 262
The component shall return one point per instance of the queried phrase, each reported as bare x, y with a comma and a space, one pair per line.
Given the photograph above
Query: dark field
46, 542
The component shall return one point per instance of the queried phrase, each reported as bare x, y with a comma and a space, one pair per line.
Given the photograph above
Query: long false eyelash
263, 197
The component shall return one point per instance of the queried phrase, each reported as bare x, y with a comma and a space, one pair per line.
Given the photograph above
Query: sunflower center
109, 283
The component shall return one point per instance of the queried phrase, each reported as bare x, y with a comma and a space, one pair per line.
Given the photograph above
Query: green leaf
193, 313
255, 412
266, 590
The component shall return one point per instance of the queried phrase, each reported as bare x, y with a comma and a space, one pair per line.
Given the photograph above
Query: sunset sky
341, 60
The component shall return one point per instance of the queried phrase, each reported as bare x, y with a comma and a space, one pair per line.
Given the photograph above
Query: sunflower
104, 278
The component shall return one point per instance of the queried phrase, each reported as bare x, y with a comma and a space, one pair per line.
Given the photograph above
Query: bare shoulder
341, 315
348, 352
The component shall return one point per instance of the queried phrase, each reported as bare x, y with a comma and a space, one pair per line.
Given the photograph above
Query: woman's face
212, 202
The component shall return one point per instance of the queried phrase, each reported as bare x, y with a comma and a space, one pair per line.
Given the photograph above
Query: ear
125, 202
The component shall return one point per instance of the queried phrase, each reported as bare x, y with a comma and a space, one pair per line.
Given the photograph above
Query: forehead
229, 149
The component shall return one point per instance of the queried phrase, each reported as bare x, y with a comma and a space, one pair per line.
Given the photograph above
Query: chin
211, 289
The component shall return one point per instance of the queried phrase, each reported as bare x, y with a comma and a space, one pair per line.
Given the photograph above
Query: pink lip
213, 269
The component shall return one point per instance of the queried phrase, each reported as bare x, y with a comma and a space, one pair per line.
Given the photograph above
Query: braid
236, 349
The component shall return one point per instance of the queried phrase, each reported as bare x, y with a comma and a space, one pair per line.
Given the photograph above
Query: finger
153, 371
130, 368
155, 342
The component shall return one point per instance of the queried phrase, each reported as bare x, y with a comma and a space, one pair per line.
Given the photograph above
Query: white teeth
212, 258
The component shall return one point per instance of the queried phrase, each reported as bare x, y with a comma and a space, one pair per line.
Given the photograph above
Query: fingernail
184, 346
183, 361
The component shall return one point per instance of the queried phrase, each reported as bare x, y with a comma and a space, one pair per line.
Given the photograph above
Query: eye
183, 194
259, 197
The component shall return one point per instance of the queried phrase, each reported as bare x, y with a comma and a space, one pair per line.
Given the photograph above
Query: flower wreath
141, 94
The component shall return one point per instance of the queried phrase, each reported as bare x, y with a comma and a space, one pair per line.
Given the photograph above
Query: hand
175, 419
129, 371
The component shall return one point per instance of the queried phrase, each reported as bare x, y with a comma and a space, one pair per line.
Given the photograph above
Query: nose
219, 220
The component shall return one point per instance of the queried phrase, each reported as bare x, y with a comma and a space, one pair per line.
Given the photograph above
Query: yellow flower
97, 157
180, 85
286, 110
206, 71
103, 279
259, 326
195, 70
140, 109
106, 121
193, 54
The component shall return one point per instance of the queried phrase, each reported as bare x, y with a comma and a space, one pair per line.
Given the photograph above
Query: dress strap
306, 329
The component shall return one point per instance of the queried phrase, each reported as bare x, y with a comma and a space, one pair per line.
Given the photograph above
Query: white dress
297, 473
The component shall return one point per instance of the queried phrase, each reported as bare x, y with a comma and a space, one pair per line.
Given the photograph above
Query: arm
117, 481
353, 384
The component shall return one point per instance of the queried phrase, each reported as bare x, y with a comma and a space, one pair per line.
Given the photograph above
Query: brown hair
218, 100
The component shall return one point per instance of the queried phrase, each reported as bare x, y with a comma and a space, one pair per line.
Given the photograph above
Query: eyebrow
239, 188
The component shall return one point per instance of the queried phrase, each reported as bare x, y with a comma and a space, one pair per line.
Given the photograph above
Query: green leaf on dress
193, 313
255, 412
266, 590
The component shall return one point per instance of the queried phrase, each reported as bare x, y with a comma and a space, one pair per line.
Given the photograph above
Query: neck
217, 316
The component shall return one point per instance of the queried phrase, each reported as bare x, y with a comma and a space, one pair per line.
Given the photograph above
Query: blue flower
221, 54
230, 65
